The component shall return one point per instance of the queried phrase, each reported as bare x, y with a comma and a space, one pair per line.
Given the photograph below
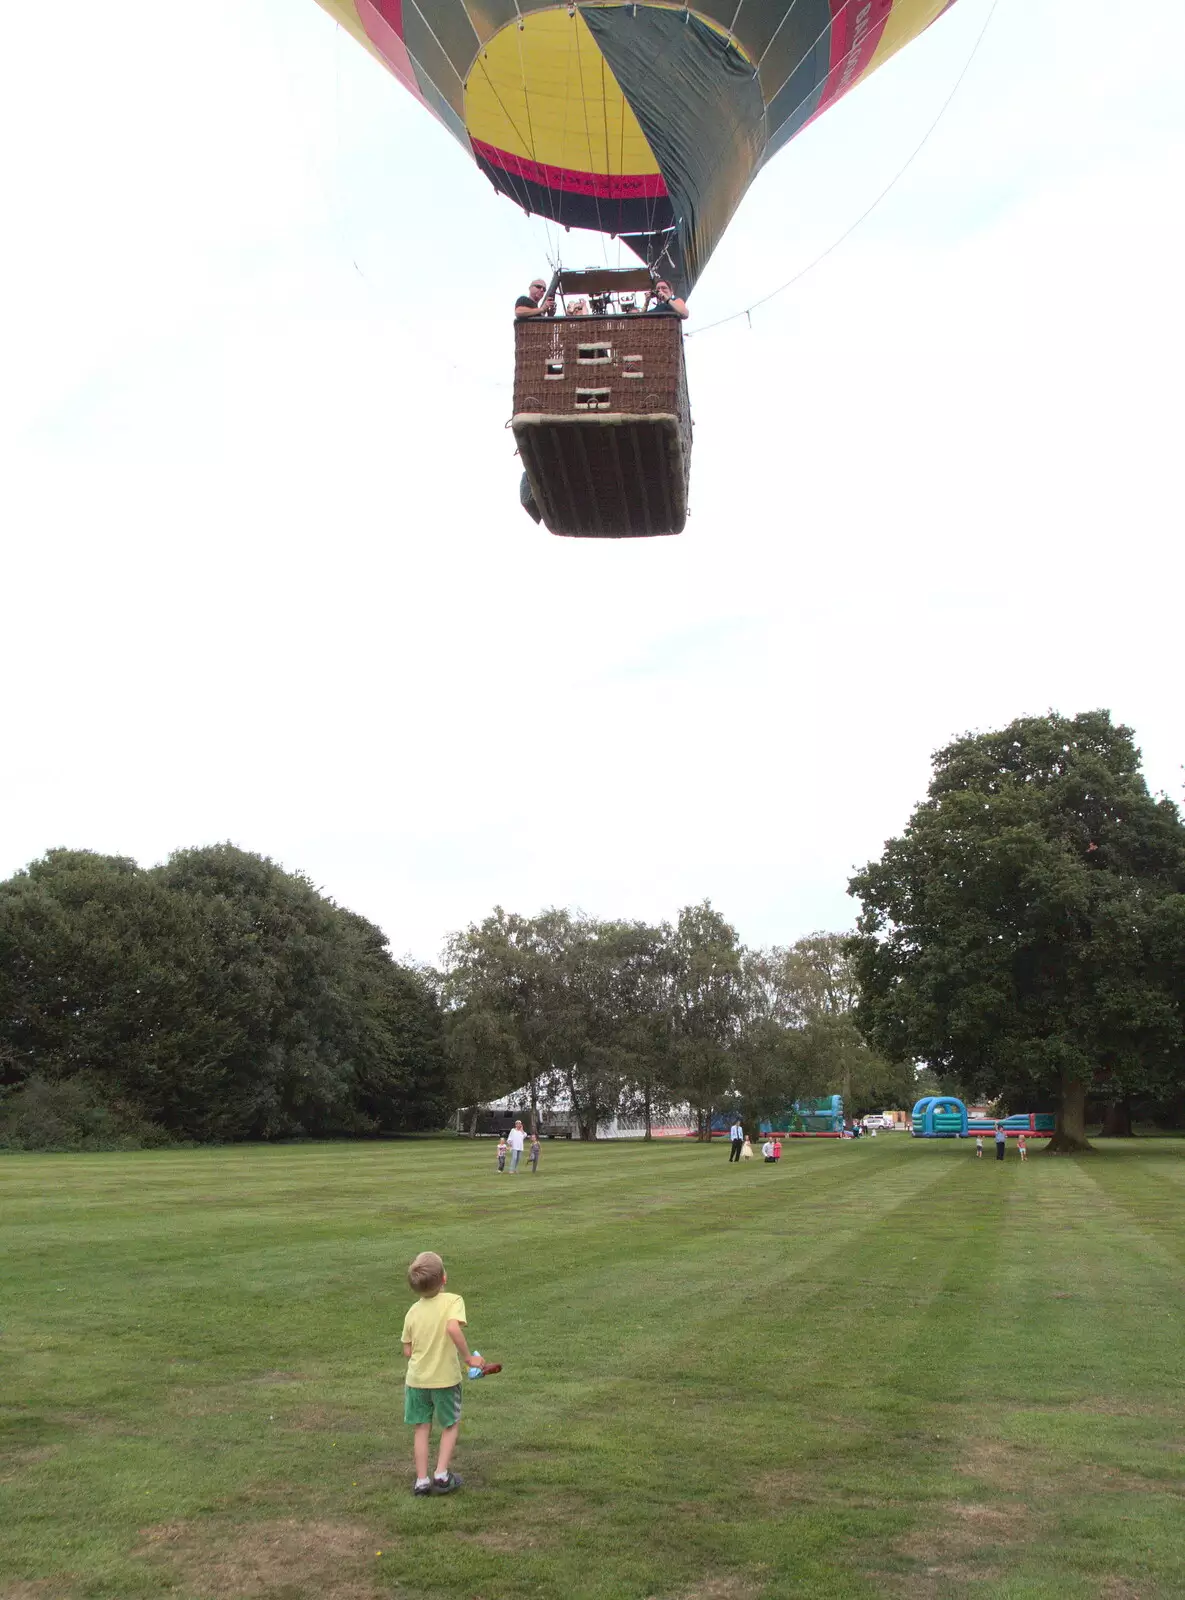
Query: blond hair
426, 1273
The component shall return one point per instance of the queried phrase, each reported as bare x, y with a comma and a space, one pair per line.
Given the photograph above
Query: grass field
878, 1369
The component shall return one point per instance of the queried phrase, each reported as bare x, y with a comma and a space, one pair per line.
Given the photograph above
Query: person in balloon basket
435, 1349
666, 303
535, 303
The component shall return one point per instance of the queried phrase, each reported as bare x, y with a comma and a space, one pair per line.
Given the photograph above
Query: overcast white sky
265, 574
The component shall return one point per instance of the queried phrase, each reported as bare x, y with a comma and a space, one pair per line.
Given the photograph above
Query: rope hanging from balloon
746, 311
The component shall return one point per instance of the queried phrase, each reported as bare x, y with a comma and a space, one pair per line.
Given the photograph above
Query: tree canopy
631, 1018
215, 997
1024, 934
219, 997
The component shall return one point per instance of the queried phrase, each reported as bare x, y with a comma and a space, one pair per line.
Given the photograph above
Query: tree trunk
1070, 1133
649, 1135
1117, 1120
534, 1103
473, 1122
583, 1111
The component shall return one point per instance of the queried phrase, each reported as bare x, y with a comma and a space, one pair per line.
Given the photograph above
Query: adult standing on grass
737, 1134
516, 1138
1001, 1141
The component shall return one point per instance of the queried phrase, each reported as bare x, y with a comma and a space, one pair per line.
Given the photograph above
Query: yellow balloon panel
907, 19
345, 12
545, 92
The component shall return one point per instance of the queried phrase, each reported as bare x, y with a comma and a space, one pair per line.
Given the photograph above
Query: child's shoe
445, 1485
422, 1488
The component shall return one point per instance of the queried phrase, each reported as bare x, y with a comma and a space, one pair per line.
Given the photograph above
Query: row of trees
218, 997
1023, 940
634, 1018
215, 997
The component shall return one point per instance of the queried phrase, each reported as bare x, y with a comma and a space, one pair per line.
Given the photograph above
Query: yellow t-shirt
435, 1363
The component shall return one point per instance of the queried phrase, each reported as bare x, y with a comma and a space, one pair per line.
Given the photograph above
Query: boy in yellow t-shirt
434, 1346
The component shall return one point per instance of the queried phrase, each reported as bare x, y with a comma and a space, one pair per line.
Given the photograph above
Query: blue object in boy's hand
476, 1372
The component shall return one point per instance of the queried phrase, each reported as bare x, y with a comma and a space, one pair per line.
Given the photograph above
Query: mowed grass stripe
1067, 1353
1151, 1192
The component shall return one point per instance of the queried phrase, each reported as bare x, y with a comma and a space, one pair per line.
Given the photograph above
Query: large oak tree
1023, 933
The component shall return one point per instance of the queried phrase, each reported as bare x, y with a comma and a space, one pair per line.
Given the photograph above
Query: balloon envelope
647, 122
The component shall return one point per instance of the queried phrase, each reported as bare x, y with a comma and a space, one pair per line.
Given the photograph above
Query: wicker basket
603, 423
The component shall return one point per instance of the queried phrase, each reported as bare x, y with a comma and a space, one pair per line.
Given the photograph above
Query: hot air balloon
646, 122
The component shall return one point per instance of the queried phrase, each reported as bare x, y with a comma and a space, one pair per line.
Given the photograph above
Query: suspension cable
746, 311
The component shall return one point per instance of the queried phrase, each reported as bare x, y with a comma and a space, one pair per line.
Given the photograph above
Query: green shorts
421, 1405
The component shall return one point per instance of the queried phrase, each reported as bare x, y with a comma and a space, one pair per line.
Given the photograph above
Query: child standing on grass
979, 1146
434, 1347
534, 1156
1022, 1148
501, 1155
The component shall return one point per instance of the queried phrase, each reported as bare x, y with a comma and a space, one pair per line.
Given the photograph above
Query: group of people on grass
741, 1148
1001, 1138
513, 1144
